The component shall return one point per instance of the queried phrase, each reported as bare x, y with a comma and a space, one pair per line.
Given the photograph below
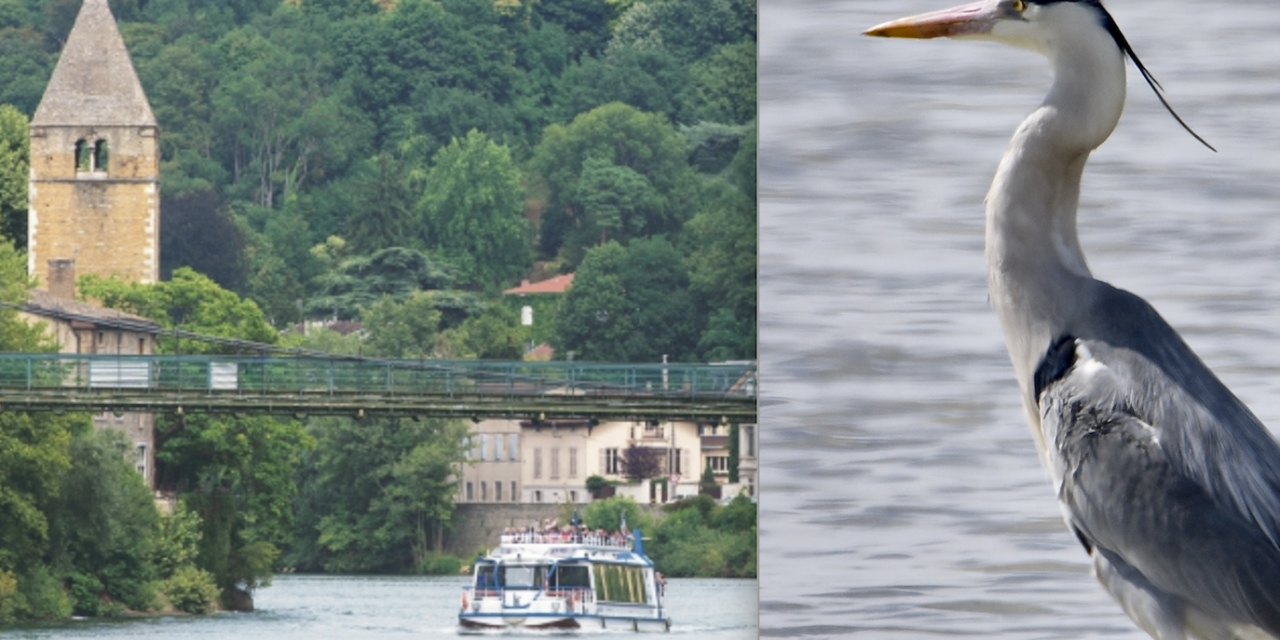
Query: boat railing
577, 594
613, 540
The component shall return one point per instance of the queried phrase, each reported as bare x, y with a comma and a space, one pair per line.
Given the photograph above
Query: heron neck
1037, 273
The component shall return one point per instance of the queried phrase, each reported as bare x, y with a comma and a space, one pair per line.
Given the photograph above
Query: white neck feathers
1036, 270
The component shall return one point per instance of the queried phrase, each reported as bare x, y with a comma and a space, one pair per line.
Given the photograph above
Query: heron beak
975, 18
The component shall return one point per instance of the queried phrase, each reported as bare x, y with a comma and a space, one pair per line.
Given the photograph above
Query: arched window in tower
100, 156
84, 156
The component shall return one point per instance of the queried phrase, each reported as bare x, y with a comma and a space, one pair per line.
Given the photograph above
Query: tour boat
565, 581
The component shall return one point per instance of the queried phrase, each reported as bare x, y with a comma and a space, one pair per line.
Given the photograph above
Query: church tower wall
95, 160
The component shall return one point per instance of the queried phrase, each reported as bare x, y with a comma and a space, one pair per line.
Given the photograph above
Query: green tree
585, 21
102, 527
474, 211
28, 61
723, 86
362, 280
382, 206
33, 447
238, 472
495, 334
607, 514
279, 115
616, 202
629, 304
402, 329
196, 232
190, 301
643, 143
722, 250
377, 493
648, 79
15, 163
699, 538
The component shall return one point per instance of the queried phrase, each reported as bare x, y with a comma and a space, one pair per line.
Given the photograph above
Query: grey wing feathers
1147, 472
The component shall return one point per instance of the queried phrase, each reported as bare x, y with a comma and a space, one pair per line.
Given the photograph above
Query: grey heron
1167, 479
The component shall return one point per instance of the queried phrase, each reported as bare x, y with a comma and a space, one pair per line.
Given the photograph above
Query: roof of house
557, 284
44, 304
540, 353
94, 83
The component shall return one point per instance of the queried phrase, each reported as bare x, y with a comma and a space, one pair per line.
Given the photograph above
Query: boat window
569, 577
515, 576
485, 578
616, 583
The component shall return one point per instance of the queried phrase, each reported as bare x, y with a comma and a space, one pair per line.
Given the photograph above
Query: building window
90, 158
750, 434
142, 458
515, 495
612, 462
573, 462
573, 496
484, 491
673, 462
718, 464
142, 346
537, 494
653, 430
513, 446
101, 156
497, 447
471, 492
497, 491
484, 447
84, 158
555, 462
537, 462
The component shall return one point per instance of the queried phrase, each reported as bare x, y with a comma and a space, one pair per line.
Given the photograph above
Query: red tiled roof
540, 353
558, 284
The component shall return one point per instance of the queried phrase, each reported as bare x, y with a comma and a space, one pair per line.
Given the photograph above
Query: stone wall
477, 526
107, 220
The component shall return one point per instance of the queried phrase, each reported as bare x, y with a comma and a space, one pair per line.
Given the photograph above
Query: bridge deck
354, 386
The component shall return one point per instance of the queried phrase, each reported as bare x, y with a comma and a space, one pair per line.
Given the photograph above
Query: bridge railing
307, 375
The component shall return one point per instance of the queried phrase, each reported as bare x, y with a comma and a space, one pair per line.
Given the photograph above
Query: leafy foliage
103, 525
15, 162
238, 472
191, 590
473, 207
621, 136
396, 272
699, 538
629, 304
608, 514
450, 143
642, 462
377, 494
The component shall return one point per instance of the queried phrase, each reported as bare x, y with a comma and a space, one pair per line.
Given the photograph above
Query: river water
901, 495
298, 607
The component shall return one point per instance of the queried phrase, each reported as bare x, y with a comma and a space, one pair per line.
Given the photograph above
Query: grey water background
298, 607
902, 496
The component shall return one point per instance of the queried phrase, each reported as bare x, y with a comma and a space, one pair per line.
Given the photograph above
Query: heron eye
1019, 5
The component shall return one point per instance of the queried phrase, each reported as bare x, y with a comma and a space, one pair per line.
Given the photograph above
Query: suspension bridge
367, 387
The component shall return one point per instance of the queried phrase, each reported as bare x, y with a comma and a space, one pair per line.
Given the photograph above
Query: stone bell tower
95, 161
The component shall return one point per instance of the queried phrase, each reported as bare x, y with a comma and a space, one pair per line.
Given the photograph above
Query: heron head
1040, 25
1046, 26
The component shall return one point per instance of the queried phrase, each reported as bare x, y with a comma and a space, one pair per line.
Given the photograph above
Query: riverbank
319, 607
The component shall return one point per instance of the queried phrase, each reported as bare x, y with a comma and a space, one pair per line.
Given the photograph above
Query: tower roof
94, 82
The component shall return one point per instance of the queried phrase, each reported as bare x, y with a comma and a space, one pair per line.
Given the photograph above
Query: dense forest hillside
400, 163
480, 142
